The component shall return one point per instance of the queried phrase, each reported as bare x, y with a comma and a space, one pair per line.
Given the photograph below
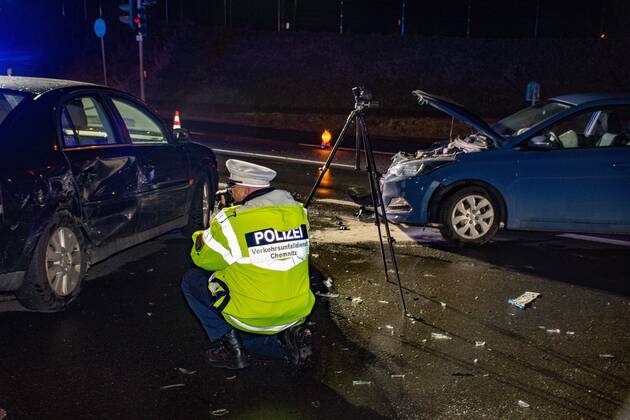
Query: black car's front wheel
201, 207
55, 273
469, 216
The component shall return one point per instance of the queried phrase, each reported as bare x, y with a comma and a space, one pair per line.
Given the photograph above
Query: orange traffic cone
176, 122
326, 136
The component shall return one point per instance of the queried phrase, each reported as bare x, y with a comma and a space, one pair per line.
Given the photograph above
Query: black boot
296, 342
227, 352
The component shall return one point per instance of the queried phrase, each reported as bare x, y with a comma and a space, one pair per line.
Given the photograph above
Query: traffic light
141, 20
131, 12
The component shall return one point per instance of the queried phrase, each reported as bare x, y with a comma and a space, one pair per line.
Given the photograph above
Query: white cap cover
249, 174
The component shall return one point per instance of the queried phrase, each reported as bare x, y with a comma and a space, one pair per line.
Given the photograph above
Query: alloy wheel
63, 261
472, 216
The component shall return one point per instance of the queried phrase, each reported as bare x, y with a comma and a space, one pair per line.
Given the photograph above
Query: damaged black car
85, 172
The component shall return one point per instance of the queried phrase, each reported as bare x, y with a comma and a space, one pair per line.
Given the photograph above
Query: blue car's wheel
469, 216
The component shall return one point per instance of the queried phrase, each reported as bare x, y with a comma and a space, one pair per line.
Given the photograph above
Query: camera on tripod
363, 98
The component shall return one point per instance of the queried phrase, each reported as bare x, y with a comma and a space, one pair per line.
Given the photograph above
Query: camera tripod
362, 101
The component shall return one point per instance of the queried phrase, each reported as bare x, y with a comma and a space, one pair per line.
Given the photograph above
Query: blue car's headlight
415, 167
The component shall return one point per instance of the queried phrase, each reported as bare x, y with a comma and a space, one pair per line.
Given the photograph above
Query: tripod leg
376, 191
375, 198
330, 158
357, 147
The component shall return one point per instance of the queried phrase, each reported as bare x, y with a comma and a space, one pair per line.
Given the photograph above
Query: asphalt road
130, 348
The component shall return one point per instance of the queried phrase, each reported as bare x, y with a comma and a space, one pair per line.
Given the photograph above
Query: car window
594, 128
524, 119
85, 123
8, 101
141, 126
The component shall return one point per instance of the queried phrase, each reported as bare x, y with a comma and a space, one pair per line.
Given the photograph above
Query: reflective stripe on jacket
259, 256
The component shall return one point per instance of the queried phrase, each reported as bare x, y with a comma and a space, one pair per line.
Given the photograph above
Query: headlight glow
415, 167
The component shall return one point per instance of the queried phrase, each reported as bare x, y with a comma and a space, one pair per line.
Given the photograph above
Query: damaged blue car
561, 165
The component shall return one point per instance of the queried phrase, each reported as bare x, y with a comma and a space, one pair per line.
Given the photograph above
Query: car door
581, 182
104, 168
163, 162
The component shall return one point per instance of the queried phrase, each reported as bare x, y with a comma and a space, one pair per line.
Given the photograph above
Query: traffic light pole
141, 60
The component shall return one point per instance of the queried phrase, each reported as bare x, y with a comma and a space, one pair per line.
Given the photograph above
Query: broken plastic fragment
327, 295
328, 283
429, 275
399, 375
523, 300
389, 327
607, 356
357, 300
172, 386
480, 343
439, 336
230, 378
315, 255
443, 305
523, 404
570, 332
356, 383
383, 301
220, 412
186, 371
554, 331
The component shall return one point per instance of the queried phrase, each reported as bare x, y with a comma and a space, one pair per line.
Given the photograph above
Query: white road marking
348, 149
595, 239
282, 158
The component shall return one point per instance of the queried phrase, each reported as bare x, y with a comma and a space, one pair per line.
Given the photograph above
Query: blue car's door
582, 183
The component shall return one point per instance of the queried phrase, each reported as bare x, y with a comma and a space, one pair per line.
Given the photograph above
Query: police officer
251, 291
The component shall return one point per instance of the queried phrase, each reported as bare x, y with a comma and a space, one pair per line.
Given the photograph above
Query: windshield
522, 120
8, 101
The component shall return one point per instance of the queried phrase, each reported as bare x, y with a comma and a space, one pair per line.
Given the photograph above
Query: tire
201, 207
470, 216
55, 273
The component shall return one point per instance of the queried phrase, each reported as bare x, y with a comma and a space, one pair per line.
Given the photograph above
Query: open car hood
462, 114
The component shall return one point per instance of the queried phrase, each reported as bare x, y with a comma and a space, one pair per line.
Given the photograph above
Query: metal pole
141, 59
166, 11
402, 19
341, 19
225, 13
278, 17
536, 22
104, 61
602, 18
468, 19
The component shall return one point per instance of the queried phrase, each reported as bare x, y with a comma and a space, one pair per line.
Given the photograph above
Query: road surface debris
439, 336
173, 386
358, 383
220, 412
524, 300
523, 404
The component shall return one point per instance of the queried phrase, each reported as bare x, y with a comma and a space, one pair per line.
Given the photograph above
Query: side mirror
182, 135
539, 143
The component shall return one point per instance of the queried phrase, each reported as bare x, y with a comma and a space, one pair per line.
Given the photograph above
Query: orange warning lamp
326, 136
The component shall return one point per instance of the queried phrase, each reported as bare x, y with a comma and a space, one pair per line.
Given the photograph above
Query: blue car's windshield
522, 120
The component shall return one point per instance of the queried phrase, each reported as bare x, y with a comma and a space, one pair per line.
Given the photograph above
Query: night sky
39, 28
